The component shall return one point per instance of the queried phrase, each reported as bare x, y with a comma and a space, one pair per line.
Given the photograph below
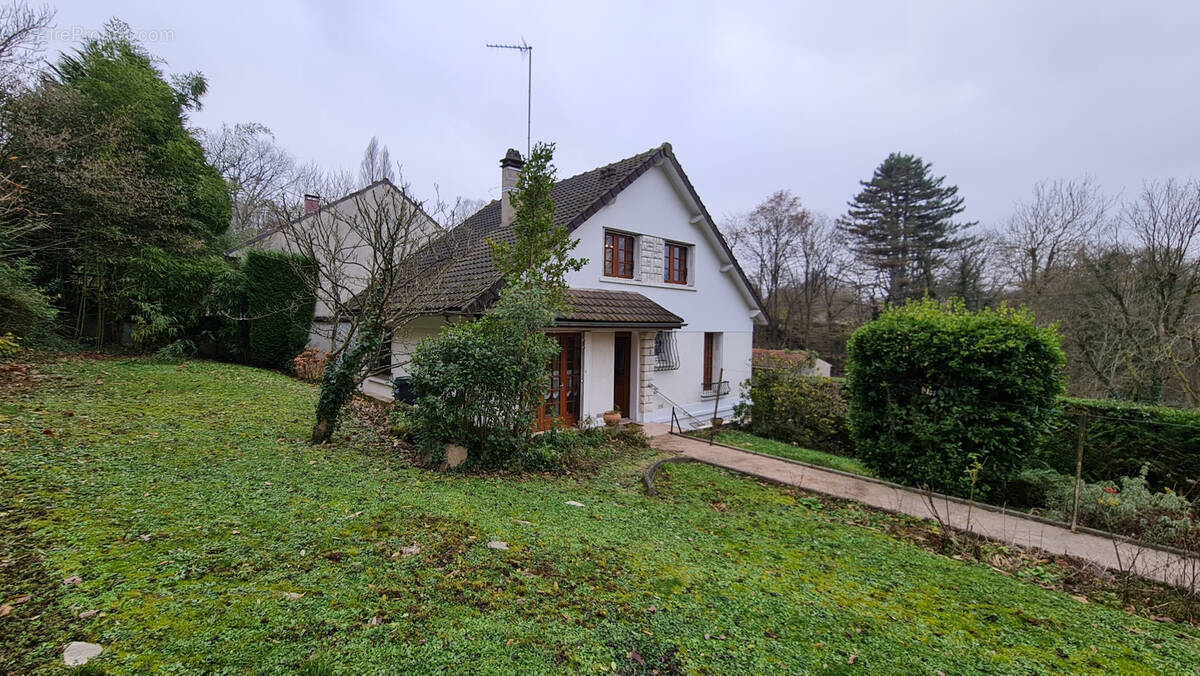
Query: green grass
186, 499
784, 450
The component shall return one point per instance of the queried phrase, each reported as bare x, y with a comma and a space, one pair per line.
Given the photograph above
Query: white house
663, 317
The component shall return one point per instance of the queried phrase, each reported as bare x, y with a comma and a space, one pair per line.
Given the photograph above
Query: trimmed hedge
808, 411
1124, 436
280, 304
952, 399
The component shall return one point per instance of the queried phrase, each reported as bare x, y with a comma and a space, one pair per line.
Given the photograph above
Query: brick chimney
510, 168
311, 203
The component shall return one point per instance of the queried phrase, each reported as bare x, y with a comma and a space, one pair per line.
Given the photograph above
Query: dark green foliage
279, 305
24, 310
809, 411
119, 190
901, 225
935, 388
1124, 436
478, 384
539, 256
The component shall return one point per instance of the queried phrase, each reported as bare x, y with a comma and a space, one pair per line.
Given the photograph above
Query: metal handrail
675, 405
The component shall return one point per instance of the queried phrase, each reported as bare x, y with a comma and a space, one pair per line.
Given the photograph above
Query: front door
622, 353
562, 386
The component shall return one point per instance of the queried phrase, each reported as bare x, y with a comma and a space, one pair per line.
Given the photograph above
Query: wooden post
1078, 468
716, 407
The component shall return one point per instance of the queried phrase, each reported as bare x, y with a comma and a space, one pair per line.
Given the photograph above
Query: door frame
568, 419
627, 379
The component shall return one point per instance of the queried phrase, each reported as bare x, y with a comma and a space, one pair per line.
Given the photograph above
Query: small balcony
714, 389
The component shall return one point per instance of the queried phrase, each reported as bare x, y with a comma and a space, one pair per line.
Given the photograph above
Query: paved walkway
987, 521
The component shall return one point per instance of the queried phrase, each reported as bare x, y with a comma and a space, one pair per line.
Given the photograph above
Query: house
340, 236
662, 315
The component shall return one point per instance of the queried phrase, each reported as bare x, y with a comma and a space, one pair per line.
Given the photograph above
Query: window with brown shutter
675, 263
618, 255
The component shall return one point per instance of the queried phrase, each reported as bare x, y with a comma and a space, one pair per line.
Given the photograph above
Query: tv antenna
527, 50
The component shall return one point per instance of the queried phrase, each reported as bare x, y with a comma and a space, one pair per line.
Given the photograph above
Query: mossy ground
212, 538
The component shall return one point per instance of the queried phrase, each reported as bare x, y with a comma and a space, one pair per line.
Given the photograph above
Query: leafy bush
24, 309
1122, 437
280, 303
1129, 507
561, 449
936, 388
478, 384
808, 411
10, 345
1032, 487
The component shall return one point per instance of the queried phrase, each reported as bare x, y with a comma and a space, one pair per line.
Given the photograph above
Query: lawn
784, 450
211, 538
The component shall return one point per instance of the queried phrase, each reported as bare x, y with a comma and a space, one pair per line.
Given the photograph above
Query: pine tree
901, 225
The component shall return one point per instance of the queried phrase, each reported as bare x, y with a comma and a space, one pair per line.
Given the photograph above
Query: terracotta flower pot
612, 418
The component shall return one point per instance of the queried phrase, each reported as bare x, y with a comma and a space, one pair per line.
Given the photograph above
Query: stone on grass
574, 504
498, 544
523, 522
77, 653
88, 614
410, 551
455, 455
73, 580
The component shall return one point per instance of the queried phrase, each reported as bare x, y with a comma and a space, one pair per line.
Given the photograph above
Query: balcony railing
712, 389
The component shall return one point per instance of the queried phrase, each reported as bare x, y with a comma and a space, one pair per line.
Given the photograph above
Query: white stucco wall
654, 208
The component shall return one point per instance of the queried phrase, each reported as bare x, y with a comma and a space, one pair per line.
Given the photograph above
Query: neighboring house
338, 235
663, 317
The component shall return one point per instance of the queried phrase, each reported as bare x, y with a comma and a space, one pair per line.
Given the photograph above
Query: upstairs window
618, 255
675, 263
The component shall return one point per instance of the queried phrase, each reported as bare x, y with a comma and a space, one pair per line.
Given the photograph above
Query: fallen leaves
72, 581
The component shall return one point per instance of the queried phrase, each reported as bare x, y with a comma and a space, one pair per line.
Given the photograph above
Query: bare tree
380, 257
1045, 233
463, 209
21, 42
1134, 315
376, 164
263, 178
769, 239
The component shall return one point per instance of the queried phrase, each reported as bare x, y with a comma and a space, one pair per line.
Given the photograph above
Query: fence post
1078, 468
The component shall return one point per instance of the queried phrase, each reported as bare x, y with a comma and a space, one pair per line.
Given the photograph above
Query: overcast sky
754, 97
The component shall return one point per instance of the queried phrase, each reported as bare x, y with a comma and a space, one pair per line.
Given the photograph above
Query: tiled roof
468, 280
594, 306
471, 283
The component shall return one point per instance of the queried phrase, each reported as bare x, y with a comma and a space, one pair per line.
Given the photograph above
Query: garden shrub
279, 303
478, 384
1122, 437
935, 388
24, 310
805, 410
1129, 507
561, 449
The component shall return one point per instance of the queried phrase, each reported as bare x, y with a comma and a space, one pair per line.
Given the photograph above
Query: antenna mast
527, 50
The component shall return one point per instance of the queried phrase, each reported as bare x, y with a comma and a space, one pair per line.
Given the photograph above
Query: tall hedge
279, 304
935, 388
1121, 437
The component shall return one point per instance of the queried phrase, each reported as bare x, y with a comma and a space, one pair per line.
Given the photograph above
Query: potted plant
613, 418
